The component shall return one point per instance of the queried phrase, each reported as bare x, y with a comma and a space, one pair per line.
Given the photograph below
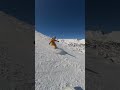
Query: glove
57, 41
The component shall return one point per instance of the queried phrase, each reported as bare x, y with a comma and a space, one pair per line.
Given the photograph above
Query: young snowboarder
52, 42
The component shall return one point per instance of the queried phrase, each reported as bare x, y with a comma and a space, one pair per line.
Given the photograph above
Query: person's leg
55, 46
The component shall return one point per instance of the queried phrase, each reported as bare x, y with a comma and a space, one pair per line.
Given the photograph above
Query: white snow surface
74, 44
68, 41
57, 68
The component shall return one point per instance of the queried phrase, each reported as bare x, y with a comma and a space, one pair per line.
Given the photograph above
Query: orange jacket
52, 41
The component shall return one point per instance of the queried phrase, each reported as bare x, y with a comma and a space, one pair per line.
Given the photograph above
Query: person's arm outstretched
57, 40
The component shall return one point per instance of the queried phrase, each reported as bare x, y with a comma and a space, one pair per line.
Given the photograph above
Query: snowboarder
52, 42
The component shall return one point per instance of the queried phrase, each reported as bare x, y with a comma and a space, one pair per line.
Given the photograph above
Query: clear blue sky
61, 18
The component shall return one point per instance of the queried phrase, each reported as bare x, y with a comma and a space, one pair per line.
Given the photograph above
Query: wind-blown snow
54, 69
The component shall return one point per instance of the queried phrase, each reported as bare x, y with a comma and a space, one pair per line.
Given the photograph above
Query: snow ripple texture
55, 69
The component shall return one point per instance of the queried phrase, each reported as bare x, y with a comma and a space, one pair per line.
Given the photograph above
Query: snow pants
53, 45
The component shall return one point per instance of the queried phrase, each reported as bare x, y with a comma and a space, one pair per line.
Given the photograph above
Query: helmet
54, 37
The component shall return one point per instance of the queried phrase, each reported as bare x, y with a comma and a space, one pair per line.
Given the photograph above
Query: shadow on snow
78, 88
63, 52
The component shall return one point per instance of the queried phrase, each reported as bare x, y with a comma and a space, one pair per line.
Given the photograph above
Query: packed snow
57, 69
78, 41
74, 44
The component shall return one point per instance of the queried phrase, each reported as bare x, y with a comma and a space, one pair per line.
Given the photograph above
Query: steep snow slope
16, 54
54, 69
102, 61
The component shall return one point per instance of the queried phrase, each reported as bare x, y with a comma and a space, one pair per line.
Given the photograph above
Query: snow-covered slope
54, 69
68, 41
102, 61
16, 53
106, 45
74, 44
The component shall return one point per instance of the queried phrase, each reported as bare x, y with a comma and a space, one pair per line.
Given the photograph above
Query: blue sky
61, 18
54, 17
